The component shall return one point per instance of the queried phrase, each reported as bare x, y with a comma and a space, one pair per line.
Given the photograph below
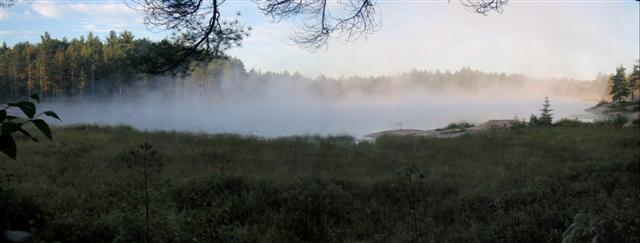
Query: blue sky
540, 38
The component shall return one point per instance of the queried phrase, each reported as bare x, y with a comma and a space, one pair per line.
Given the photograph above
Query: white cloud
104, 17
106, 24
48, 9
102, 9
97, 29
22, 33
51, 9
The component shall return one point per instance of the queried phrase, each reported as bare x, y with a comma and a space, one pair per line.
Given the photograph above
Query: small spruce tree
619, 87
545, 116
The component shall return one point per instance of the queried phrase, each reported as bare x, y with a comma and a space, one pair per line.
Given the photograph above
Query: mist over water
289, 108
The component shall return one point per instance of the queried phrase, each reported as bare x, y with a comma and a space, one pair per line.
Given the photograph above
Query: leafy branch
12, 123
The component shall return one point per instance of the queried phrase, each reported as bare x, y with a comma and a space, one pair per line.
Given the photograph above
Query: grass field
519, 185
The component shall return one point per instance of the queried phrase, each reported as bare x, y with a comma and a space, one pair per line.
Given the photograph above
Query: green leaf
8, 128
3, 115
8, 146
27, 107
35, 97
43, 127
52, 114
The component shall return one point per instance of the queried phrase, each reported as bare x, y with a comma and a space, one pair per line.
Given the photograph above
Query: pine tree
92, 58
127, 45
545, 116
14, 73
45, 62
28, 58
4, 70
42, 72
619, 88
59, 74
74, 63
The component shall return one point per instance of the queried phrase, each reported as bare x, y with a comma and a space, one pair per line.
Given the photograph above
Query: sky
539, 38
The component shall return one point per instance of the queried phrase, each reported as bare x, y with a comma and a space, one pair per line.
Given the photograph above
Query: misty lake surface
280, 115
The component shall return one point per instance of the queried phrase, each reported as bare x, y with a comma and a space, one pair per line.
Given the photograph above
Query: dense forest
68, 68
119, 65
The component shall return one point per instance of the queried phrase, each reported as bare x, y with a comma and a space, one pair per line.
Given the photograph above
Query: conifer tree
619, 88
546, 117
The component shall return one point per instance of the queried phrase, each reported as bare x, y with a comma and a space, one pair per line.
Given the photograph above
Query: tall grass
493, 186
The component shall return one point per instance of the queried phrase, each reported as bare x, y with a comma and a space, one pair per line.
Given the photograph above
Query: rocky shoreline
601, 111
444, 133
606, 110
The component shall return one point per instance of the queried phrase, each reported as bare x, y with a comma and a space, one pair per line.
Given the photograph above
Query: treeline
120, 65
623, 87
76, 67
87, 66
228, 78
463, 80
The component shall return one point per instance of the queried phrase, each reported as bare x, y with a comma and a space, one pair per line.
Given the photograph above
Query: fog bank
274, 108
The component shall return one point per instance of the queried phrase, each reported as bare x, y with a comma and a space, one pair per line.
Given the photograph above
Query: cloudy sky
540, 38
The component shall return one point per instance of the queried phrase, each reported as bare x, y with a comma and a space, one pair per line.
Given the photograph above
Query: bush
616, 120
458, 125
571, 123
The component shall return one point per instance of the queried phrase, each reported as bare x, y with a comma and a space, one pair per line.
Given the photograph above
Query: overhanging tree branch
324, 19
347, 19
484, 7
199, 30
6, 3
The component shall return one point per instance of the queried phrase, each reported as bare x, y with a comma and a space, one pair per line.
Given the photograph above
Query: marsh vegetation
531, 184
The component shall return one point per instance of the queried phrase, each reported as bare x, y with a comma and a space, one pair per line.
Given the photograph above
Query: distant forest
91, 67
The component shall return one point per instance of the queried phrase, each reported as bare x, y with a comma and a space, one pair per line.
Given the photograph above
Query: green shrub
458, 125
616, 120
570, 123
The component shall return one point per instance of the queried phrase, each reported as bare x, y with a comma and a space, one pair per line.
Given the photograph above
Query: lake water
274, 116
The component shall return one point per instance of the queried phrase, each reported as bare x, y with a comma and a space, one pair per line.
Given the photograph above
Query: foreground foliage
577, 183
11, 122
